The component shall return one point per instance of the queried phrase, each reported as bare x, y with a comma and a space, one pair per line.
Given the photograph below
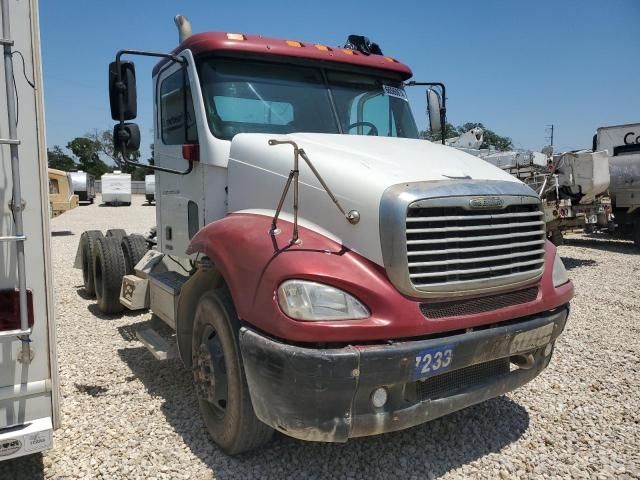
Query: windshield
244, 96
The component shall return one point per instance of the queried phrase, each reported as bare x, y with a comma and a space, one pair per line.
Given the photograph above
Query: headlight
560, 275
313, 301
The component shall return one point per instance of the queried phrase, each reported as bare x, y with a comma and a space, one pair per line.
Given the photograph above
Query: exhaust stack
184, 27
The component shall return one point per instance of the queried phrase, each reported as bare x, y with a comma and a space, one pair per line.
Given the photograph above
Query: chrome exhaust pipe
524, 362
184, 27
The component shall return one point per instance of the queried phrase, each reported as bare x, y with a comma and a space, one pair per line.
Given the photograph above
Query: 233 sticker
433, 361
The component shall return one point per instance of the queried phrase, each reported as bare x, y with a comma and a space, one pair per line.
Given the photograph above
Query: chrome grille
453, 248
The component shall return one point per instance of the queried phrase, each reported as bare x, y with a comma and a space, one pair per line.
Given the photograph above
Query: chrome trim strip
474, 249
512, 286
476, 227
473, 239
476, 259
476, 270
475, 217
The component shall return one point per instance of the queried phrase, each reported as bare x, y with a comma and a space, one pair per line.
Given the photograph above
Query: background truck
29, 408
622, 144
116, 188
84, 185
327, 273
573, 186
61, 196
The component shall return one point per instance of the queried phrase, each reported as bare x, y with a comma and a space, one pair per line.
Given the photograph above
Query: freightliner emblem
486, 202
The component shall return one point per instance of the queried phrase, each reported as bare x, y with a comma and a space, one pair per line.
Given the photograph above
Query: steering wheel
373, 129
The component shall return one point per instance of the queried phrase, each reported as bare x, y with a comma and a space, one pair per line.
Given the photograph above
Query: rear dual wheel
87, 248
134, 247
108, 270
221, 385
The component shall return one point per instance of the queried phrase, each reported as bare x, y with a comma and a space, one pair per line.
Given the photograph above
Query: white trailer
116, 188
84, 185
28, 370
150, 188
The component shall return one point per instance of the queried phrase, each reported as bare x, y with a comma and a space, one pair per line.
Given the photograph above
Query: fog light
379, 397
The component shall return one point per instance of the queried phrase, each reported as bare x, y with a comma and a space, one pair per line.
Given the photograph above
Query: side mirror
434, 109
123, 91
127, 136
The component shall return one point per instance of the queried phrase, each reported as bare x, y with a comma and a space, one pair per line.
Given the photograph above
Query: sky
515, 66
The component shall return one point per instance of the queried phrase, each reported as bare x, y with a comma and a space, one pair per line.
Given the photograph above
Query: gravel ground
125, 415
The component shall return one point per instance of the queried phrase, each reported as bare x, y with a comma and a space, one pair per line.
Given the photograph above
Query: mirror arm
443, 110
120, 85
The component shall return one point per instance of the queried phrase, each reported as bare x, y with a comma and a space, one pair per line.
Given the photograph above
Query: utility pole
550, 136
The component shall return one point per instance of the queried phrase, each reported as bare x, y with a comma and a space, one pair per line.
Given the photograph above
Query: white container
83, 185
116, 188
150, 188
584, 172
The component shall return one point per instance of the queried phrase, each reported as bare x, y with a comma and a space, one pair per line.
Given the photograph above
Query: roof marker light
348, 51
294, 43
389, 59
324, 48
236, 36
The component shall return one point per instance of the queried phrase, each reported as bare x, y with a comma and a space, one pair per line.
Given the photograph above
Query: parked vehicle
29, 408
322, 284
84, 185
150, 188
61, 196
572, 185
116, 188
622, 144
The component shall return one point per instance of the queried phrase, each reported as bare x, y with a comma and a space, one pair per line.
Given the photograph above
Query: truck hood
358, 169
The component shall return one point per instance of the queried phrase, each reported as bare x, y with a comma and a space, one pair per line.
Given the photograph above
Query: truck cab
331, 275
622, 144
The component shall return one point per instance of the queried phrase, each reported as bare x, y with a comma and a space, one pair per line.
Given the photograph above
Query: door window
177, 118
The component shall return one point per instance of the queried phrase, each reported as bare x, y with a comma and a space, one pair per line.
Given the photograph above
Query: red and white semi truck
29, 397
328, 274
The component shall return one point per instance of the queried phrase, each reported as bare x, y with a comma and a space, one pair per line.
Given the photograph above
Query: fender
254, 263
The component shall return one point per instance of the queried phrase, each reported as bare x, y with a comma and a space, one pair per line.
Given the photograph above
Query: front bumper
325, 394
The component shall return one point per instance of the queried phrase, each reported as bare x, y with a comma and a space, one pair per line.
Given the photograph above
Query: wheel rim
210, 372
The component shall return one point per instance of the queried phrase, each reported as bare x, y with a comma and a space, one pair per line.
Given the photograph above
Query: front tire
221, 385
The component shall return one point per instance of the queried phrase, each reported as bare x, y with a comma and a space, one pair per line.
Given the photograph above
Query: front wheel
221, 385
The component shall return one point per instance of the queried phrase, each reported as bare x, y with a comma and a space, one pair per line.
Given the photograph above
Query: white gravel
125, 415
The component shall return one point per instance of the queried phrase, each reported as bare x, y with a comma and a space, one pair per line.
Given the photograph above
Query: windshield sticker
395, 92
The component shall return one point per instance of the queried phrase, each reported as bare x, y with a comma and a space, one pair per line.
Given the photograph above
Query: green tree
105, 147
60, 160
141, 171
450, 130
86, 150
490, 138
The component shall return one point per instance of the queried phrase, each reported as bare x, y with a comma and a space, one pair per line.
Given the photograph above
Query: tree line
89, 154
490, 139
90, 150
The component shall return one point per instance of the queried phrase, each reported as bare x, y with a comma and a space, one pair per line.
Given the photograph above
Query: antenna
549, 137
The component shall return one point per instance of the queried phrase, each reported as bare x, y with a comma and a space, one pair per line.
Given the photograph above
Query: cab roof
211, 42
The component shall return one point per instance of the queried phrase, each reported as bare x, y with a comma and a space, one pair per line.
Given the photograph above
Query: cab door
179, 198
